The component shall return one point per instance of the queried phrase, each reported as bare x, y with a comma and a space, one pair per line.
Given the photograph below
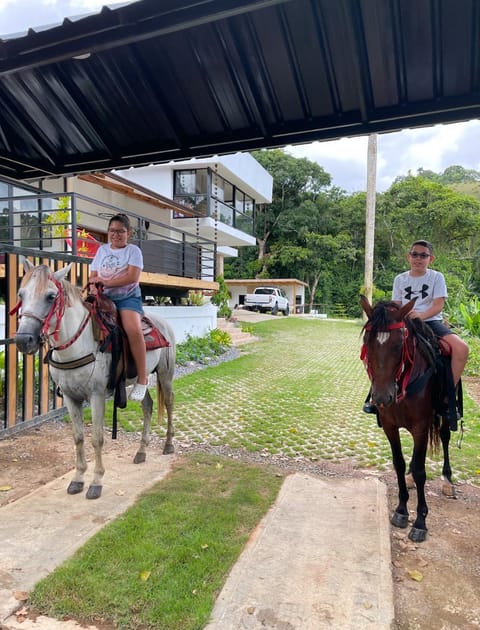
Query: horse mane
43, 274
380, 317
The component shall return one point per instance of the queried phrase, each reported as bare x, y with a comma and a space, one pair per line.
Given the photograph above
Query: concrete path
319, 559
41, 530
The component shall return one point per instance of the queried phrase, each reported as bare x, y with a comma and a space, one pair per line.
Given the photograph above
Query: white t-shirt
109, 262
425, 288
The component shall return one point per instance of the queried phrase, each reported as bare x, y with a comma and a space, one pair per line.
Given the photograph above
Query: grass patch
161, 565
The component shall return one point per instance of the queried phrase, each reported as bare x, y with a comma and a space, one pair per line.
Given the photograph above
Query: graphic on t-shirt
410, 294
110, 267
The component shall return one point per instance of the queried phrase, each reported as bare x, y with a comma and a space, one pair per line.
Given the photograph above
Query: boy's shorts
439, 328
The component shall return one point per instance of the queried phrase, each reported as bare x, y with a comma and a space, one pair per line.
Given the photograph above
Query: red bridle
57, 310
407, 359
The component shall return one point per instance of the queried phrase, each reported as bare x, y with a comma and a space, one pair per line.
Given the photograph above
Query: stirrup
452, 418
138, 392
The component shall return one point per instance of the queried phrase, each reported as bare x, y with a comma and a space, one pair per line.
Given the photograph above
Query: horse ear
61, 273
27, 265
405, 310
366, 306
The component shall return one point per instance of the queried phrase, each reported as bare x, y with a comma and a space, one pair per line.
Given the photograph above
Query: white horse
52, 310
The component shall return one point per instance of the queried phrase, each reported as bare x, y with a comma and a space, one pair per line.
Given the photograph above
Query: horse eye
51, 296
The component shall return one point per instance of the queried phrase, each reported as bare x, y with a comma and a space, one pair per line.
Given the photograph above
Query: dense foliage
316, 232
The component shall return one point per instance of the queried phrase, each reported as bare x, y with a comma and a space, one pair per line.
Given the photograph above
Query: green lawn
161, 565
298, 391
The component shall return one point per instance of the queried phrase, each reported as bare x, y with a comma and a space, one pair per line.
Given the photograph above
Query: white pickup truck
265, 299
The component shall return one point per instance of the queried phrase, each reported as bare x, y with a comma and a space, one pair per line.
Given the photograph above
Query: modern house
187, 217
218, 197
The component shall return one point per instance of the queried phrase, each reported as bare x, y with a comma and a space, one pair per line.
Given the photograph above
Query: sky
431, 148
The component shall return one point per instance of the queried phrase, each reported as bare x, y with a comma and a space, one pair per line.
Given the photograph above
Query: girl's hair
121, 218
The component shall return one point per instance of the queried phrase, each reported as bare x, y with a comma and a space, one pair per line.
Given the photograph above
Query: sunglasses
419, 255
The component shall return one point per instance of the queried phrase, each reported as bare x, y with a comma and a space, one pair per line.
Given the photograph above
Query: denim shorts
132, 303
439, 328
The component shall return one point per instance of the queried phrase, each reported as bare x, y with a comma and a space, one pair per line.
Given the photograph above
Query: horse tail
434, 436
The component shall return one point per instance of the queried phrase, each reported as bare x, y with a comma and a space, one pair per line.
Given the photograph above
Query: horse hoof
399, 520
140, 458
94, 492
448, 490
417, 535
75, 487
169, 450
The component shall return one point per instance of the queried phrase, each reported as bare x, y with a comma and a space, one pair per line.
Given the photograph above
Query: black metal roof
157, 80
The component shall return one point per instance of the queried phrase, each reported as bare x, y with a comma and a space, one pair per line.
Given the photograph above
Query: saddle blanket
153, 337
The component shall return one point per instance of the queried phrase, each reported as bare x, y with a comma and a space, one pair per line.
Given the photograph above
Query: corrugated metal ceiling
157, 80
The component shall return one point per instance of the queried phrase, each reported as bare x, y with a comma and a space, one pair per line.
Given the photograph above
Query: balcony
75, 224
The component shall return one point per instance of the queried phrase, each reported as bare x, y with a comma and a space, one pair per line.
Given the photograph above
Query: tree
417, 208
221, 298
317, 261
293, 181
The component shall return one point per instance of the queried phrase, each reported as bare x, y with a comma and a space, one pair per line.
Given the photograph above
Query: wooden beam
164, 280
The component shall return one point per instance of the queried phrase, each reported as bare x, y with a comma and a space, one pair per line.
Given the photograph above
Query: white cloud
17, 16
431, 148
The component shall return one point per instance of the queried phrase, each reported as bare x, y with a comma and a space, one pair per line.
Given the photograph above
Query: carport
160, 80
294, 288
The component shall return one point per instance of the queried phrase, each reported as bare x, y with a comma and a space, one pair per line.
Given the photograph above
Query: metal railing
72, 222
57, 229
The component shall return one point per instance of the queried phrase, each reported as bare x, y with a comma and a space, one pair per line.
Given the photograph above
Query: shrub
467, 317
221, 299
199, 349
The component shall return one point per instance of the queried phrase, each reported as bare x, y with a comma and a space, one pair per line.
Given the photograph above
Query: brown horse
400, 355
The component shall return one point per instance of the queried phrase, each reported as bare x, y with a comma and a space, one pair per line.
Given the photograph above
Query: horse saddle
108, 331
448, 398
105, 321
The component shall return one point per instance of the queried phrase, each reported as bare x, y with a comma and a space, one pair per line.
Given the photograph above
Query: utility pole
370, 214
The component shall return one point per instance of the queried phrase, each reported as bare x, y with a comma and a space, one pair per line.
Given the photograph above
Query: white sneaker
138, 392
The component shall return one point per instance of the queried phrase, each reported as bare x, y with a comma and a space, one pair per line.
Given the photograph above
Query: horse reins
405, 367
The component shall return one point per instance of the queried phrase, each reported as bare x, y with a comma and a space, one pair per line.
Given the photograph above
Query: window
225, 213
218, 184
184, 183
228, 192
226, 203
191, 182
239, 200
190, 189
